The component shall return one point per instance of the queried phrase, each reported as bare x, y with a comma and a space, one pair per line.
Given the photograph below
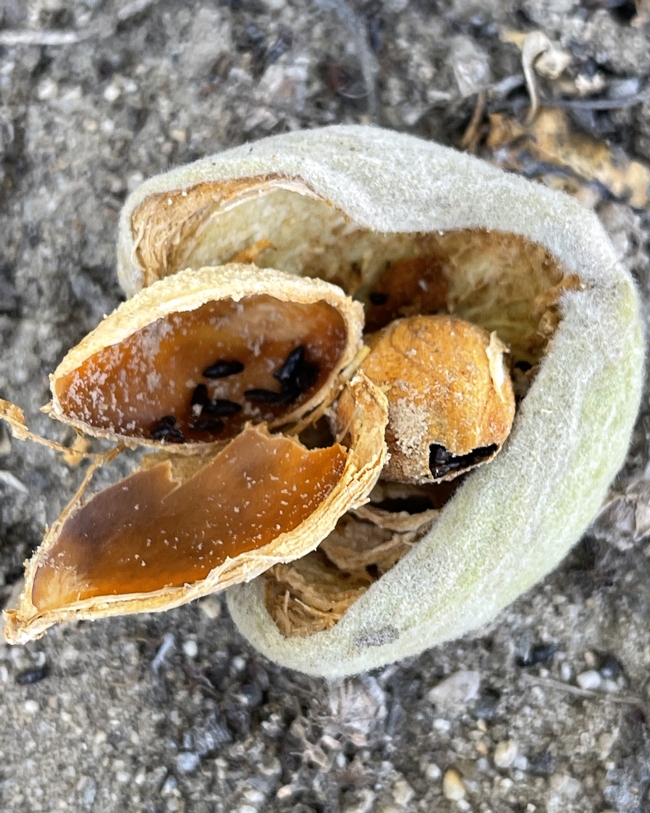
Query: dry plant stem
471, 135
15, 417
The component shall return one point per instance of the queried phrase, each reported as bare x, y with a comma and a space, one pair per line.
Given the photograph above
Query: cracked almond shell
347, 204
183, 527
450, 399
147, 360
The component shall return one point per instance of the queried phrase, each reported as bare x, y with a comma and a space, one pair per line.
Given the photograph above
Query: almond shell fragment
450, 400
180, 528
191, 359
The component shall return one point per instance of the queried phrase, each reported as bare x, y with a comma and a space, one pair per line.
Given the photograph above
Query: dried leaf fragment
548, 149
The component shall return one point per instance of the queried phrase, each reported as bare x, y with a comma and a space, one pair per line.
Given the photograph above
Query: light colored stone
112, 93
565, 786
190, 648
432, 772
452, 786
606, 743
47, 89
402, 792
364, 801
589, 680
187, 762
505, 753
456, 691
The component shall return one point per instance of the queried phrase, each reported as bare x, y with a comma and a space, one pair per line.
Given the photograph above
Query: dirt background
175, 712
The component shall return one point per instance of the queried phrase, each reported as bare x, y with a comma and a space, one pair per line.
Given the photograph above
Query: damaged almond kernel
190, 360
182, 527
450, 400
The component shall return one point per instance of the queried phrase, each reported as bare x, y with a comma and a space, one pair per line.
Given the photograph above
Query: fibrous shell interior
496, 280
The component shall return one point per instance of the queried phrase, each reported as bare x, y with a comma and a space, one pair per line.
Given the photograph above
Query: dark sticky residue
223, 368
296, 376
442, 462
165, 429
222, 408
208, 424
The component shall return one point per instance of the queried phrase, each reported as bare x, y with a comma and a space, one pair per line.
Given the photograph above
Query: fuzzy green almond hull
515, 519
512, 521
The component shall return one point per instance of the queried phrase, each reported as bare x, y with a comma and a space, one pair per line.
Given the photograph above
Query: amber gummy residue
416, 285
129, 386
148, 532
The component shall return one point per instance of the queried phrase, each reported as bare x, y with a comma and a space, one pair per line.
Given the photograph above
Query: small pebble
190, 648
187, 762
210, 606
566, 787
505, 753
452, 786
48, 89
589, 680
537, 654
238, 664
520, 763
112, 93
364, 802
457, 690
486, 705
610, 667
31, 706
566, 672
284, 792
28, 676
606, 743
402, 792
432, 772
254, 796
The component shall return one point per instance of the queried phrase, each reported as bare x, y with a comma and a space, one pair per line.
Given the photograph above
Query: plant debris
550, 151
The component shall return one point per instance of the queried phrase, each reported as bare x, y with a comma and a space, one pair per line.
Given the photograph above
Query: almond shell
514, 520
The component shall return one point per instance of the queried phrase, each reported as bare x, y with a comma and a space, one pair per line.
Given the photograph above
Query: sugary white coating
514, 520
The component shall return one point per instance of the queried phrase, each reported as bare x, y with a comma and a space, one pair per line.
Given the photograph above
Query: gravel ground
545, 710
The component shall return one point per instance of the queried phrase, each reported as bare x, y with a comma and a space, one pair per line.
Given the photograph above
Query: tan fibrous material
261, 500
450, 399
